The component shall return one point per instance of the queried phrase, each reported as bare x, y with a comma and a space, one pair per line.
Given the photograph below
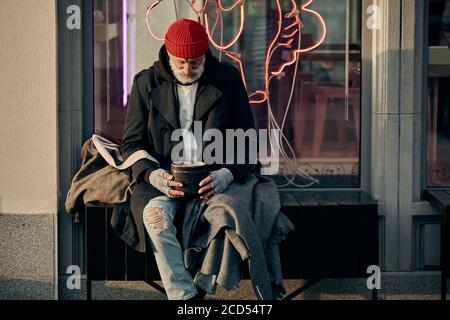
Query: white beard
182, 78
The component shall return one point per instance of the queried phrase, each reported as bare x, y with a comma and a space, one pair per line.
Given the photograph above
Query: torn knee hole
156, 218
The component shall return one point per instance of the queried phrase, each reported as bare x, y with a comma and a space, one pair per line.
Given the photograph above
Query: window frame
75, 122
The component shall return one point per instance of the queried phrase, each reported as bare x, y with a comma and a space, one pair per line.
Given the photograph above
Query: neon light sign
277, 41
125, 51
283, 38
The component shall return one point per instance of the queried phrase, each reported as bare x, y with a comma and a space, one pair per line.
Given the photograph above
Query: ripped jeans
159, 215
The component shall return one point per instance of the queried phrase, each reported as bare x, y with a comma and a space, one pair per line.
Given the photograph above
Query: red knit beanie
186, 39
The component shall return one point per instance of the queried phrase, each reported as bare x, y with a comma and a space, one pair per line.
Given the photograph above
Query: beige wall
28, 105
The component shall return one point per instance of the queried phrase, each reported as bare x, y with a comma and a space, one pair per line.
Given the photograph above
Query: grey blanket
244, 222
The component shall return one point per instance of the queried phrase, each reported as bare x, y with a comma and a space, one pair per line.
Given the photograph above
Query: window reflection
108, 68
318, 112
438, 117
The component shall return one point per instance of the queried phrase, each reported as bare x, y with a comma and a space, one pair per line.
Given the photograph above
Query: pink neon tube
125, 50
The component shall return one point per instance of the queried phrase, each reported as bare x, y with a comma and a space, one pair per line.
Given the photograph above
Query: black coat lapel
163, 98
207, 95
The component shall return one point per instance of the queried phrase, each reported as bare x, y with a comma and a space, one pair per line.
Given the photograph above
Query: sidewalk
394, 286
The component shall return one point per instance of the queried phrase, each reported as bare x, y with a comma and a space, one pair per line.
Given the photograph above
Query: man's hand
215, 183
163, 181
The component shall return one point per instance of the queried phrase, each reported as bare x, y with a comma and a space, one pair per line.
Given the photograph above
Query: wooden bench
336, 236
440, 199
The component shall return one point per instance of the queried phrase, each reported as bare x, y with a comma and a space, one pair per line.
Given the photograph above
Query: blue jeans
159, 215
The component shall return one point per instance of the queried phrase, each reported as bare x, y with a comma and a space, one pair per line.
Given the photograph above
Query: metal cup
190, 175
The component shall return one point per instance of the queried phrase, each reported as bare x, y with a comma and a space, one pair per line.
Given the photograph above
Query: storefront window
109, 72
312, 95
438, 118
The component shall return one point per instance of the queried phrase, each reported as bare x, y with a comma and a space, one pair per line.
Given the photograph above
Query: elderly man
186, 84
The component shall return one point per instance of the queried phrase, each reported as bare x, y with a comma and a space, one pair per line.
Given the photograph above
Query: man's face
187, 70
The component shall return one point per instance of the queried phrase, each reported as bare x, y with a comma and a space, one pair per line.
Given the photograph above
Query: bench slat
288, 200
305, 198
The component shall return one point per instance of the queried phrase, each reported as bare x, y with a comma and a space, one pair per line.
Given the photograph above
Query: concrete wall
411, 236
28, 148
28, 106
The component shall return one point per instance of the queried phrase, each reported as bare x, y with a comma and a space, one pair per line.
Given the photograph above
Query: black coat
153, 114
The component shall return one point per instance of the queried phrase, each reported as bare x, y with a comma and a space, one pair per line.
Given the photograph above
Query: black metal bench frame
336, 236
